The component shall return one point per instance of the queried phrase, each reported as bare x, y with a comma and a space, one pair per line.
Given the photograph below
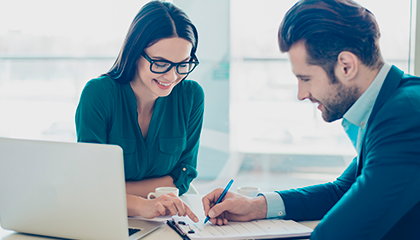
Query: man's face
314, 84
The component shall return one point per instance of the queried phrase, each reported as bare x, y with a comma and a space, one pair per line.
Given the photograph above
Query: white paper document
267, 228
156, 219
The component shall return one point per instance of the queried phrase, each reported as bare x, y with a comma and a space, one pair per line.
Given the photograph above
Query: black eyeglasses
163, 66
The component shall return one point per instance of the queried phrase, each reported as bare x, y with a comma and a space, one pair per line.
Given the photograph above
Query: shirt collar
359, 112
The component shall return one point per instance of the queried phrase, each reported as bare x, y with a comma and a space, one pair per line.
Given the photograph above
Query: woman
144, 105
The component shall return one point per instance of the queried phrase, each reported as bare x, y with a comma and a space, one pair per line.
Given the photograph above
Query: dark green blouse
107, 113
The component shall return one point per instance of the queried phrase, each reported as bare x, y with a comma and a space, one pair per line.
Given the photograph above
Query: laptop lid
67, 190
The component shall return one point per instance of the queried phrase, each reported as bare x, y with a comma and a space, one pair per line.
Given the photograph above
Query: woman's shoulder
190, 93
100, 90
191, 86
102, 87
101, 83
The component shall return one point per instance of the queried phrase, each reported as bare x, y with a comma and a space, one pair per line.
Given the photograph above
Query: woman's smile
163, 85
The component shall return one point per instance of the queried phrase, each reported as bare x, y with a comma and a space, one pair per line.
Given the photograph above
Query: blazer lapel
391, 83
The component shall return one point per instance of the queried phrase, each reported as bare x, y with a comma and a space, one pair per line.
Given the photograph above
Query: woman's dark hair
155, 20
329, 27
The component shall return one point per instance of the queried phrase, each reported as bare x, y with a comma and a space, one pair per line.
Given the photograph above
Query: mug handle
151, 194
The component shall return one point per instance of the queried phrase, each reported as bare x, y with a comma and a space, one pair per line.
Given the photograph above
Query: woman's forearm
134, 203
143, 187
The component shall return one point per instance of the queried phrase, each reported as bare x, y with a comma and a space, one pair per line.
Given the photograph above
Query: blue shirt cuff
275, 205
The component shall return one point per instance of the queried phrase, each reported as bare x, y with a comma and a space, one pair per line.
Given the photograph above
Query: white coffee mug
249, 191
162, 191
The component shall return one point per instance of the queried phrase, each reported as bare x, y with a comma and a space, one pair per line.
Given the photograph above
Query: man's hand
164, 205
233, 207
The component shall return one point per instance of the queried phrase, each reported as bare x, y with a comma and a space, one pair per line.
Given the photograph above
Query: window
49, 49
284, 142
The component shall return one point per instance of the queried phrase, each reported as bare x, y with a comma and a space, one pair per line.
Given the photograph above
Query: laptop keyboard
131, 231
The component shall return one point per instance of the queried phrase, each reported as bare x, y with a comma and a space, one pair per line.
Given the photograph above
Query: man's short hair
328, 27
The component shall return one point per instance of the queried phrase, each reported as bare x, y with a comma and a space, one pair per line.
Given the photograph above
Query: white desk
165, 232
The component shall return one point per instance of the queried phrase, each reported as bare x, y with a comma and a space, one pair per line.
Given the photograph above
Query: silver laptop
66, 190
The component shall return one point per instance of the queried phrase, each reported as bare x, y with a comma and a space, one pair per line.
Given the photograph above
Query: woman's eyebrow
162, 58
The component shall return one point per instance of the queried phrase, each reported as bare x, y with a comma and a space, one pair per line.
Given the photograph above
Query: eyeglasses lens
182, 68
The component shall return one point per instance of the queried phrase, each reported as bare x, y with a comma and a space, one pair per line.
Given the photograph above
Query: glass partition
49, 49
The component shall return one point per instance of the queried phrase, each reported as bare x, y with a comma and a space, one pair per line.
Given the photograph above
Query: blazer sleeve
313, 202
387, 187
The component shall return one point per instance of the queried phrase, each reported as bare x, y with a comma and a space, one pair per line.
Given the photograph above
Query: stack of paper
267, 228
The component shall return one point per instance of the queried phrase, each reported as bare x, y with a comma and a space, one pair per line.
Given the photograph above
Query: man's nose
303, 91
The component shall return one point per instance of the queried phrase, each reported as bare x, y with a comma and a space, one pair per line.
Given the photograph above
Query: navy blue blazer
379, 196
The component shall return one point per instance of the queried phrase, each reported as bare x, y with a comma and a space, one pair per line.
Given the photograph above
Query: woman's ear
347, 66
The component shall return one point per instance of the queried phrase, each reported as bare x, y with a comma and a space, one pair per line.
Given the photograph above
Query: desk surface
165, 232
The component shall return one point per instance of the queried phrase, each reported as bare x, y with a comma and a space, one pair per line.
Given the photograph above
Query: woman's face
170, 49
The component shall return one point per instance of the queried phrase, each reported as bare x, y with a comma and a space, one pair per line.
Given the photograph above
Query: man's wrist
260, 207
275, 205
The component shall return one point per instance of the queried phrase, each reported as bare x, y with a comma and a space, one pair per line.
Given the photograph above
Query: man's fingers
210, 199
220, 221
218, 209
206, 204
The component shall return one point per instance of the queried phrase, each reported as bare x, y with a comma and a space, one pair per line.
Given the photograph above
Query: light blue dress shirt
354, 124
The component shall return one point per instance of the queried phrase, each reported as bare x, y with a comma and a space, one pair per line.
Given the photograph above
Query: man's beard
336, 106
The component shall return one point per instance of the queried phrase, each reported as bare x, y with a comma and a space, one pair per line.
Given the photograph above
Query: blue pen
221, 196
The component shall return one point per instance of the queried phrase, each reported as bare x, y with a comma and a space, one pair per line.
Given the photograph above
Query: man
333, 47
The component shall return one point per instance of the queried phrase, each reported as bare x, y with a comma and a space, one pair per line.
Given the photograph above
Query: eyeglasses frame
176, 65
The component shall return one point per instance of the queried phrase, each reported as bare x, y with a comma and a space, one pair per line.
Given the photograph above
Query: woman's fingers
175, 206
191, 214
160, 208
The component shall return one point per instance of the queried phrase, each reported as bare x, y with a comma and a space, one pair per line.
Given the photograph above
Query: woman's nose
171, 75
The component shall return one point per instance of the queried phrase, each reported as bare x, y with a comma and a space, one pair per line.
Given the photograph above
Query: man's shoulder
401, 104
407, 95
398, 90
409, 83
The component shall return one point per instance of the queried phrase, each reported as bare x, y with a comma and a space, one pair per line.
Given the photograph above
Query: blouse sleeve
92, 114
185, 171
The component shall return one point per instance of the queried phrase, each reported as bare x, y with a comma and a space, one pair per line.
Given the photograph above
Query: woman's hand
164, 205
